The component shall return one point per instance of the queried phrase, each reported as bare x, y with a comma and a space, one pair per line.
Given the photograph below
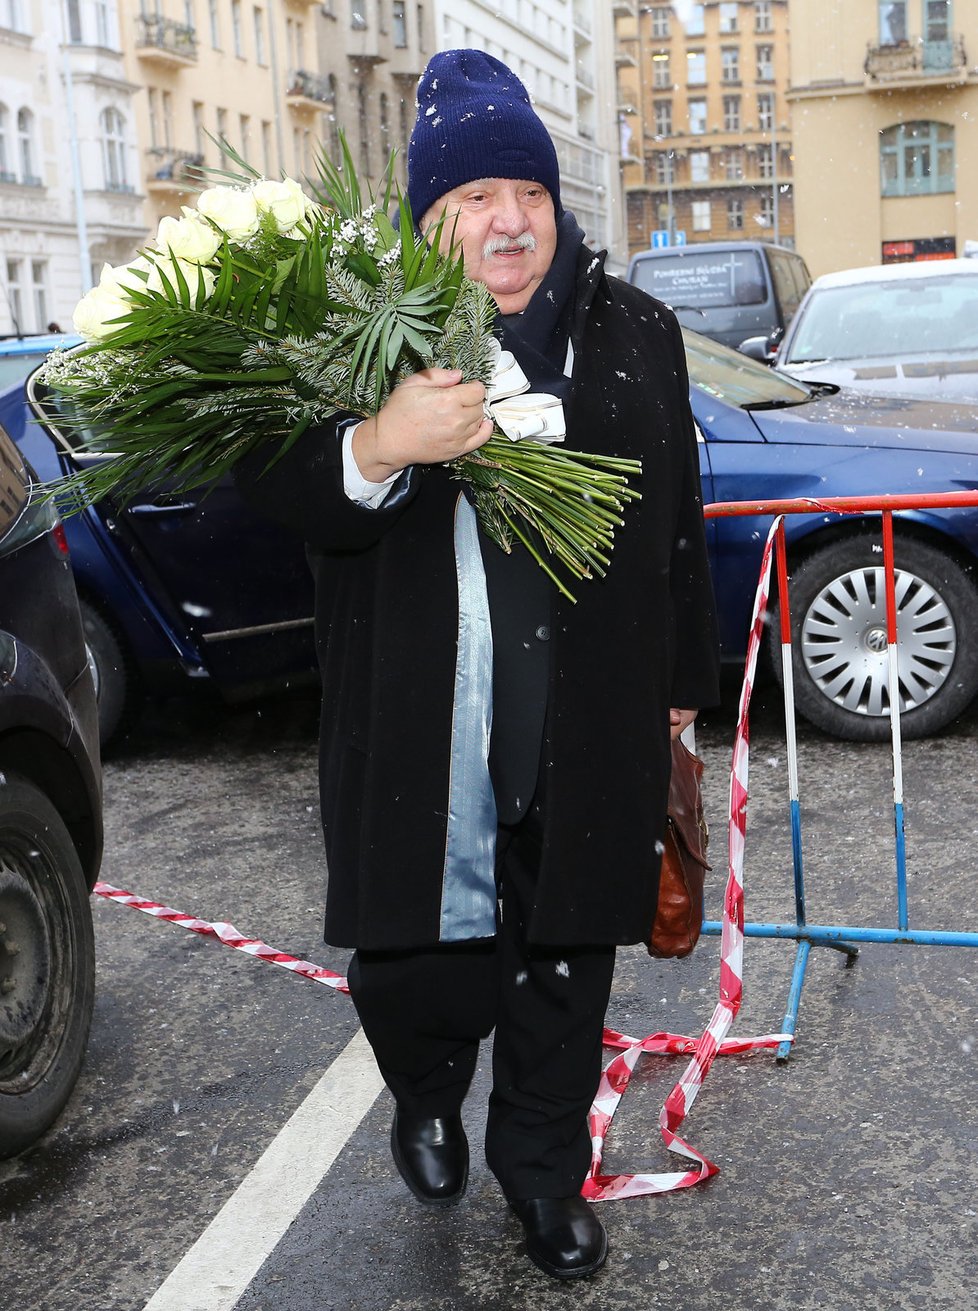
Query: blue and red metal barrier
841, 938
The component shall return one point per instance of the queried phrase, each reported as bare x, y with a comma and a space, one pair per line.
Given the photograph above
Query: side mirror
757, 348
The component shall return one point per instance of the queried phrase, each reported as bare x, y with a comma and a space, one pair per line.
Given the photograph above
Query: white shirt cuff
357, 488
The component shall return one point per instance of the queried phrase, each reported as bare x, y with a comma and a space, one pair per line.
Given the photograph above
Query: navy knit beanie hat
475, 120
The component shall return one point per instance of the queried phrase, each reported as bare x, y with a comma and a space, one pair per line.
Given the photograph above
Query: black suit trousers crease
424, 1013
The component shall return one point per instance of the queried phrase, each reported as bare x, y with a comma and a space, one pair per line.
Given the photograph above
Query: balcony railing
917, 60
304, 89
173, 170
164, 40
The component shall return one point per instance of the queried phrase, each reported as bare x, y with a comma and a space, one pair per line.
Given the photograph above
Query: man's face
507, 232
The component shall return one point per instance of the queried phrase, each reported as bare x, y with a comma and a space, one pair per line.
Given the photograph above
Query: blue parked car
198, 588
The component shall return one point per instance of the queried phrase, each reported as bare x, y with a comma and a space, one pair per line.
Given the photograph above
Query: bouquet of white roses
260, 312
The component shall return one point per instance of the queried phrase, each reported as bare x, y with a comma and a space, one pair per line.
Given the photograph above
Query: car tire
47, 964
115, 683
839, 647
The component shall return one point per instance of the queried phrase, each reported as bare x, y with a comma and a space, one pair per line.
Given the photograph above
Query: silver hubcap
843, 641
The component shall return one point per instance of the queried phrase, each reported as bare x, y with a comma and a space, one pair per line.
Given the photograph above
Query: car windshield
14, 368
703, 280
734, 378
903, 317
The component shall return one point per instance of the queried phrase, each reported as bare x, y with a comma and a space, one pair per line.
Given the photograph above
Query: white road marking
234, 1246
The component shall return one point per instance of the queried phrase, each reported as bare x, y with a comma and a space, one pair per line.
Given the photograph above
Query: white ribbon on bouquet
517, 411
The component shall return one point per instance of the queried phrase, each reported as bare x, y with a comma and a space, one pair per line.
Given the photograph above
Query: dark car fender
41, 740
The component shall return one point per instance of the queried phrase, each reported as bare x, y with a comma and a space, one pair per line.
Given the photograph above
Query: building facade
69, 179
707, 149
885, 109
563, 50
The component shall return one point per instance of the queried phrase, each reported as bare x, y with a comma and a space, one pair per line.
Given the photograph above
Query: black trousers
424, 1013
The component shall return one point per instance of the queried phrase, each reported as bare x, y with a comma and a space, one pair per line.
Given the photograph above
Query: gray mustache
526, 241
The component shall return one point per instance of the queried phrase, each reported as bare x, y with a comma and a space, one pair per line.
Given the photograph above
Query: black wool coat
637, 642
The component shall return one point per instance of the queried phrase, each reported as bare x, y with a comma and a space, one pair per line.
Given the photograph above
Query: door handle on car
162, 507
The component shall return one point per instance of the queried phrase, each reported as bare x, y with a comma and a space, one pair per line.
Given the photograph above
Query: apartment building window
222, 125
215, 22
198, 117
300, 45
259, 15
730, 63
735, 214
765, 110
765, 161
25, 142
893, 22
306, 151
244, 127
765, 63
363, 125
74, 22
696, 68
697, 117
696, 22
701, 216
731, 113
728, 17
404, 124
153, 106
236, 28
6, 172
699, 166
399, 23
296, 151
917, 159
10, 16
103, 25
358, 15
660, 20
167, 99
39, 291
937, 20
384, 112
662, 110
665, 171
661, 73
15, 295
266, 148
766, 216
763, 18
189, 15
733, 164
113, 134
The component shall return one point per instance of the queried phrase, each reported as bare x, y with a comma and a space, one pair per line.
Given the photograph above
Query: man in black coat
494, 759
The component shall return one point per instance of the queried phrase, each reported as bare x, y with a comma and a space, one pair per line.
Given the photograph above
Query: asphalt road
226, 1145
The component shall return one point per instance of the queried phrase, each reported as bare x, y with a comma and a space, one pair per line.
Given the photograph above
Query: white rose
123, 276
234, 211
188, 238
94, 312
191, 273
285, 201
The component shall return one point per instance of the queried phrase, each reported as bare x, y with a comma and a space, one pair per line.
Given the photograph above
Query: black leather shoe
432, 1154
563, 1235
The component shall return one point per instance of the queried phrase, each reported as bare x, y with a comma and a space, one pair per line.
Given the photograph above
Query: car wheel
112, 674
840, 660
47, 964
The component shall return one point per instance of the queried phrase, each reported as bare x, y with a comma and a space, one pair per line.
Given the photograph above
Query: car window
703, 280
788, 274
888, 318
21, 517
732, 377
14, 368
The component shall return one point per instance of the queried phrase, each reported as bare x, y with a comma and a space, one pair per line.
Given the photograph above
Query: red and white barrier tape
617, 1073
227, 934
711, 1043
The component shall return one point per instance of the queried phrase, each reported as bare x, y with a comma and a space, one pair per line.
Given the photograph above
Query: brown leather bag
679, 913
